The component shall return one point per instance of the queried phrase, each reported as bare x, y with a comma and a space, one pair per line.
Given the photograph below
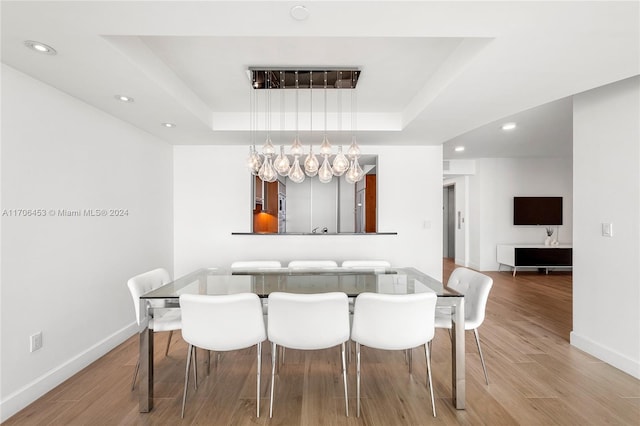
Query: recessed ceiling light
40, 47
509, 126
459, 148
299, 13
168, 124
123, 98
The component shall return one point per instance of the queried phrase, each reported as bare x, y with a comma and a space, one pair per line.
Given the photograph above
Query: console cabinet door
543, 257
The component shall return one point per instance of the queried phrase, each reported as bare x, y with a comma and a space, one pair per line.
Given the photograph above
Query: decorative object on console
267, 167
547, 241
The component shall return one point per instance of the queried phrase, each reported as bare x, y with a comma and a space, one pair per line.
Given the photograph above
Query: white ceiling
432, 72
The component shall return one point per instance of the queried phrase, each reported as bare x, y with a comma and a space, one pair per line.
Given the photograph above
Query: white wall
492, 188
606, 278
66, 276
211, 194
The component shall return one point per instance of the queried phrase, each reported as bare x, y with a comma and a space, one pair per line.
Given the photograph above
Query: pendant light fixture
267, 173
269, 165
281, 163
311, 164
254, 162
295, 173
340, 162
325, 174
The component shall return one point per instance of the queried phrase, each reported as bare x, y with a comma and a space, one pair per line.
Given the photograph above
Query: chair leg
427, 353
208, 363
410, 360
195, 367
135, 374
259, 350
344, 378
484, 367
274, 359
186, 379
166, 351
358, 376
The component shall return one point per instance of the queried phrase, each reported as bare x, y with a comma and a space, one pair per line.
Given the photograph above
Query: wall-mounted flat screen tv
537, 210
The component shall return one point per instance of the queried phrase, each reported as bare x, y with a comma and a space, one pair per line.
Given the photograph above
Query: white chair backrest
248, 264
144, 283
308, 321
366, 264
475, 287
222, 323
313, 264
394, 321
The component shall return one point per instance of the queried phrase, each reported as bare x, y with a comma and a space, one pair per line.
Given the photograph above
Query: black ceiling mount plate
304, 78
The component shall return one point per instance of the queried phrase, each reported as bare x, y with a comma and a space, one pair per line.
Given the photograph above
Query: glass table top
264, 281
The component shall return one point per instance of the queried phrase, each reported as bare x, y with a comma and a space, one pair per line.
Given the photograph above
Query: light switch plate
607, 230
35, 341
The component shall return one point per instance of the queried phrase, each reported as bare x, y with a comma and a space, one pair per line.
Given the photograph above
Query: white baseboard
18, 400
611, 357
474, 266
461, 262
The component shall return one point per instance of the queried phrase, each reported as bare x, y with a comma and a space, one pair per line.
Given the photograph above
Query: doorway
449, 221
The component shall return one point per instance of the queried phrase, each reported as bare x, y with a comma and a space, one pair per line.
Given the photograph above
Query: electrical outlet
35, 341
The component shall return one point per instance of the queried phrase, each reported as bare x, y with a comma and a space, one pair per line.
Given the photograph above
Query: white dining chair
366, 264
255, 264
363, 265
313, 264
394, 322
308, 322
222, 323
162, 319
475, 287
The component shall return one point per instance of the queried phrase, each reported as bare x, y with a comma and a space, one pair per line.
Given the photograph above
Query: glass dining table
263, 281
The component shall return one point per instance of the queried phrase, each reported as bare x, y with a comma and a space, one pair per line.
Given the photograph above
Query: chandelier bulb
295, 173
354, 150
281, 163
340, 163
253, 160
268, 148
325, 174
311, 163
325, 147
267, 172
358, 173
355, 172
348, 177
296, 147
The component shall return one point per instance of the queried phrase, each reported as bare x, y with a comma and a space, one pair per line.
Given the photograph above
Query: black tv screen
537, 210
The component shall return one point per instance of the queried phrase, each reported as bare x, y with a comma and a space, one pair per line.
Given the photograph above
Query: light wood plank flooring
536, 378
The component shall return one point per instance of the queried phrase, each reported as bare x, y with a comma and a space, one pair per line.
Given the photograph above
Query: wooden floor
536, 378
